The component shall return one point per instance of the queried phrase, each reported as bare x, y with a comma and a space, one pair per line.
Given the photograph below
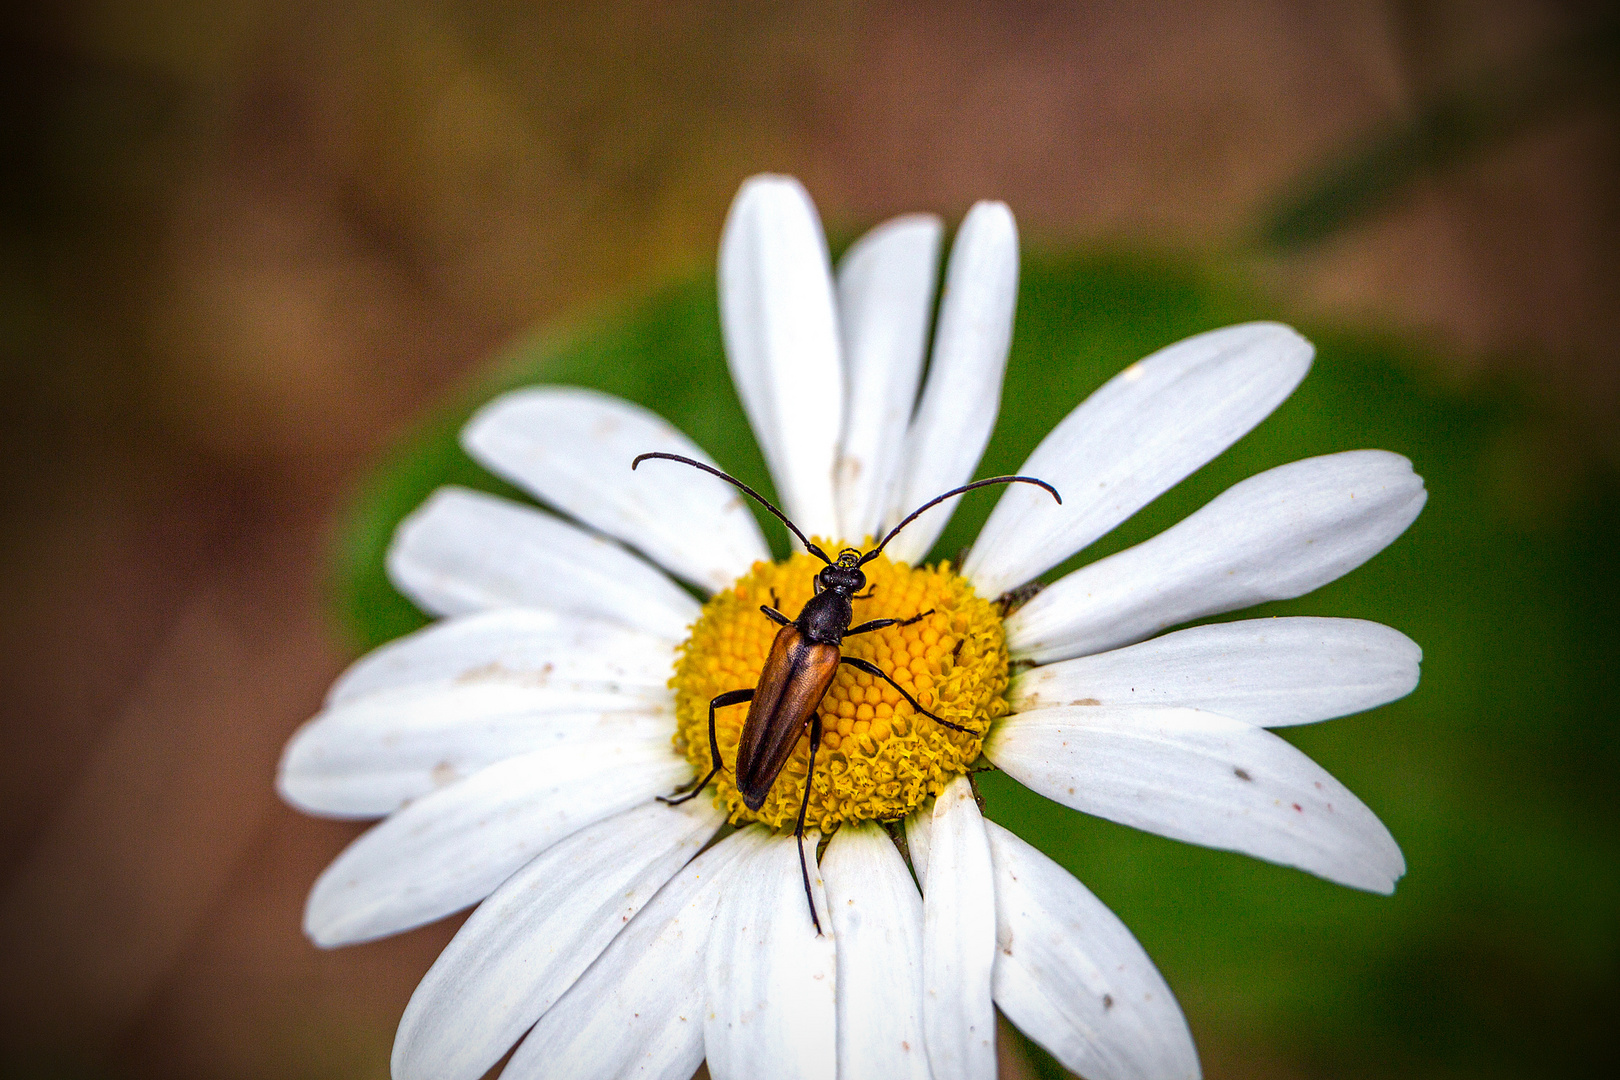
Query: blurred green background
260, 258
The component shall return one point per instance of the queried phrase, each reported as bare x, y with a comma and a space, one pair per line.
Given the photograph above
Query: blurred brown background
244, 244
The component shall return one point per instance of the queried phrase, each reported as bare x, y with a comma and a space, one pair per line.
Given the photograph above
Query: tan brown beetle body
796, 677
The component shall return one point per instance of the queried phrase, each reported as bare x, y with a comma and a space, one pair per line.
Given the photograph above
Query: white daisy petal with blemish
516, 748
372, 756
1267, 672
1203, 778
526, 647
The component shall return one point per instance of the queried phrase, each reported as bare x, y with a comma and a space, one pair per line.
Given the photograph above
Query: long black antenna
762, 500
936, 500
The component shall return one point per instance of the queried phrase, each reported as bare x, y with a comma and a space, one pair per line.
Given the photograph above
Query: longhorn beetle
803, 660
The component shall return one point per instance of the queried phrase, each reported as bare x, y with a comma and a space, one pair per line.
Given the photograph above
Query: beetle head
843, 576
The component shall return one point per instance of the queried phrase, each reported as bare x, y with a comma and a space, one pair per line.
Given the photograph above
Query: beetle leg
879, 624
872, 669
730, 697
867, 595
804, 804
775, 616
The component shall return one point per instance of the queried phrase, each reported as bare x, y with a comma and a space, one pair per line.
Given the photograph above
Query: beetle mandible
803, 660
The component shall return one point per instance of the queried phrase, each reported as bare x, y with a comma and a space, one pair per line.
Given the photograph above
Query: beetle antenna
762, 500
936, 500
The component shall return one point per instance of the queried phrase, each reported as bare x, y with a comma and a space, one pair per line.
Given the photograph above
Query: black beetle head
841, 578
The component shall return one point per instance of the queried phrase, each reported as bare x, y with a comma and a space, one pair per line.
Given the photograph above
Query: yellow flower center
878, 757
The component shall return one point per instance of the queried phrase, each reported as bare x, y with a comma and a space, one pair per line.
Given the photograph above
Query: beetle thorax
878, 758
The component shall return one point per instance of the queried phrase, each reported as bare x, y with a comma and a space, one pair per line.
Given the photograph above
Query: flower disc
878, 757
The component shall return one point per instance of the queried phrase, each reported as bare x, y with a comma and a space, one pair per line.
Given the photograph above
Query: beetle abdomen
797, 674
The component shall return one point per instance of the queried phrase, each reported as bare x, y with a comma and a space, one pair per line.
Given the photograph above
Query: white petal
516, 647
1133, 439
781, 335
537, 933
1202, 778
1272, 537
877, 919
885, 300
464, 551
454, 847
1269, 672
370, 756
772, 980
1072, 977
638, 1010
919, 824
958, 408
959, 939
572, 448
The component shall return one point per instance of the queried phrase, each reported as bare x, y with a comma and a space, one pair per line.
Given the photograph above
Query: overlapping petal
957, 410
1272, 537
877, 920
1070, 975
1269, 672
454, 847
1142, 432
781, 337
638, 1010
572, 448
772, 979
1203, 778
885, 300
526, 944
464, 551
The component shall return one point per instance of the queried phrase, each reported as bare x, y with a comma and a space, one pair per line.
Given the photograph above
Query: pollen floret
878, 758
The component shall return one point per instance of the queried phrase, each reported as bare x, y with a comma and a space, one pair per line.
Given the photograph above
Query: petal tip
318, 926
772, 192
1283, 342
989, 234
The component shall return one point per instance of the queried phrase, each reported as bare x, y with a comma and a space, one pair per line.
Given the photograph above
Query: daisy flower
517, 748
